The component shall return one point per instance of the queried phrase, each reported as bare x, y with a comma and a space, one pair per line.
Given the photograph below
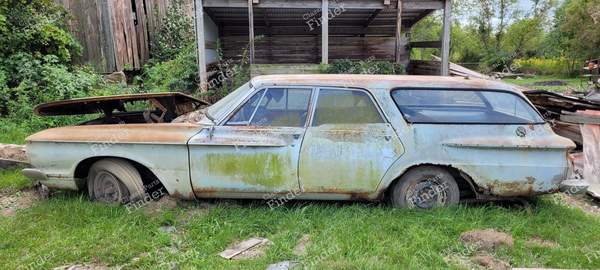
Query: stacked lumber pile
589, 121
576, 118
433, 67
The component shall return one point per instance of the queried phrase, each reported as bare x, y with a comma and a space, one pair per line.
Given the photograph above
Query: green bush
368, 66
174, 34
542, 66
36, 53
179, 74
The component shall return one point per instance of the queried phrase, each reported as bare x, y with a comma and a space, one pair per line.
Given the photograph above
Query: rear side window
464, 107
336, 106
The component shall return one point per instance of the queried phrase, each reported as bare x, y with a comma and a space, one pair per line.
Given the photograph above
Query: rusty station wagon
418, 141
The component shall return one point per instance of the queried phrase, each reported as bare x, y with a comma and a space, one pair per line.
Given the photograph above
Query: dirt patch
486, 240
550, 83
539, 242
300, 249
11, 203
461, 261
156, 207
490, 262
14, 152
582, 201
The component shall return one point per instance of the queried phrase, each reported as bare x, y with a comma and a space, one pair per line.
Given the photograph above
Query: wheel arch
467, 187
149, 178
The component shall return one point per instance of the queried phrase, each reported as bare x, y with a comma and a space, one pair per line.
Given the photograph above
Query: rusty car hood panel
93, 105
115, 134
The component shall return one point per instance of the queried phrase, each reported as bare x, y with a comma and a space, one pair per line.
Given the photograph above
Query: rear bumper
574, 186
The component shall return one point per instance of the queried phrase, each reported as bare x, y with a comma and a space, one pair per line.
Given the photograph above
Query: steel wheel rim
426, 194
107, 188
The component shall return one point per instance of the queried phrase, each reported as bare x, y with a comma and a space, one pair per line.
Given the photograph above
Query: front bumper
34, 174
574, 186
53, 182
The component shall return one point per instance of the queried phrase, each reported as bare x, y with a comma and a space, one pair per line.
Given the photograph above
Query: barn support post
445, 70
251, 32
325, 32
200, 45
398, 31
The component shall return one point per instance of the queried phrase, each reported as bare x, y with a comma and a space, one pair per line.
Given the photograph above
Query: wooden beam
445, 70
251, 32
200, 45
420, 17
325, 31
314, 4
398, 31
372, 17
426, 44
419, 5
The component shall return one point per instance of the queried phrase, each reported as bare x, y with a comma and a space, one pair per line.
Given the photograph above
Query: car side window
278, 107
336, 106
244, 114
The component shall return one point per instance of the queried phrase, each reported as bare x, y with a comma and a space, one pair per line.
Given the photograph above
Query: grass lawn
68, 229
578, 84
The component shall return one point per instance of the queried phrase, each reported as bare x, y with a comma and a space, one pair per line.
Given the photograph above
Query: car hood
104, 104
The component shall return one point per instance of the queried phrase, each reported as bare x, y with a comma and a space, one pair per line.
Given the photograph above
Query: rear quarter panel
500, 162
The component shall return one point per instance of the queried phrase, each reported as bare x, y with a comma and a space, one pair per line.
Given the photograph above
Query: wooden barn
277, 34
316, 31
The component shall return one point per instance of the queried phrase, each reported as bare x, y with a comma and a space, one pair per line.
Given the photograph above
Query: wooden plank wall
307, 49
116, 34
87, 27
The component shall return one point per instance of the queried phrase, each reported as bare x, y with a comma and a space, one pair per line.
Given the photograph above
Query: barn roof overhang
347, 17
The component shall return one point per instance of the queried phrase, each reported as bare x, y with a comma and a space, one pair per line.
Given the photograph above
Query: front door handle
296, 136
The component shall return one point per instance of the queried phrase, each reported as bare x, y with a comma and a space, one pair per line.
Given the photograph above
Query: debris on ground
540, 242
116, 78
248, 249
11, 203
550, 83
300, 249
285, 265
581, 201
490, 262
82, 267
167, 229
486, 240
13, 152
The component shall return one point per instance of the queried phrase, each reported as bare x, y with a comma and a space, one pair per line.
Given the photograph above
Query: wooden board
591, 151
307, 49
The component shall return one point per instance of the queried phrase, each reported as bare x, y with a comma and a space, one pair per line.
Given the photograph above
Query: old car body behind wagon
421, 141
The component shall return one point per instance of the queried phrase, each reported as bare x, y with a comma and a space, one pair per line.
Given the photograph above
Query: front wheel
115, 181
425, 188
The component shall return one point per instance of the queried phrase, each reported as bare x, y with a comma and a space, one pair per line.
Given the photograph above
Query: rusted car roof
385, 82
94, 105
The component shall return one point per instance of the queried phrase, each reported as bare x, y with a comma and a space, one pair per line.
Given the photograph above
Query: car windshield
221, 107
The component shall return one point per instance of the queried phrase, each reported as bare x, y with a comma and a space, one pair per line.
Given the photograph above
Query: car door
255, 150
349, 145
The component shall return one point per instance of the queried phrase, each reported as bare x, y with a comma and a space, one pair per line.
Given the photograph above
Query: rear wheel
425, 188
115, 181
